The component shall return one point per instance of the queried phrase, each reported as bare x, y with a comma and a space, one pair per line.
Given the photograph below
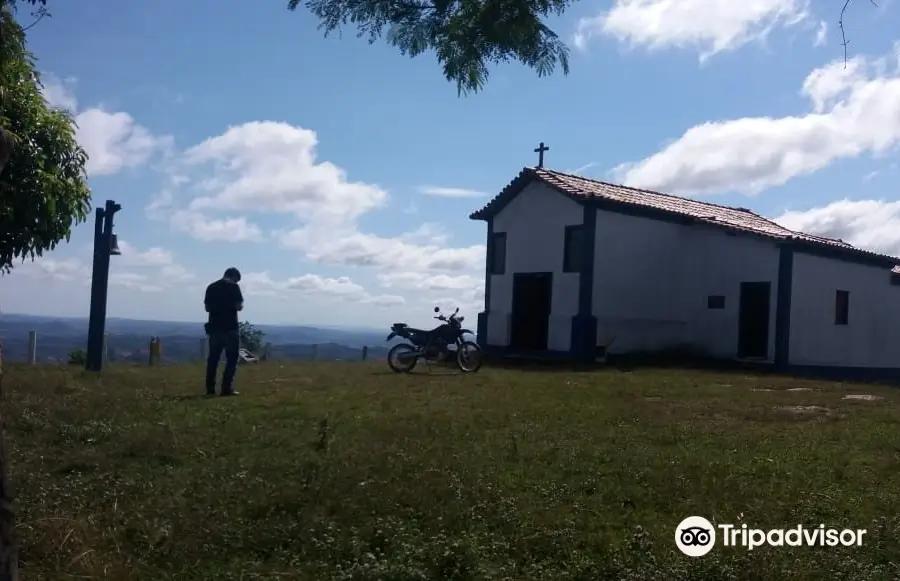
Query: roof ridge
654, 192
669, 204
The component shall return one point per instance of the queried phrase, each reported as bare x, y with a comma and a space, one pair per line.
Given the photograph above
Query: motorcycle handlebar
445, 317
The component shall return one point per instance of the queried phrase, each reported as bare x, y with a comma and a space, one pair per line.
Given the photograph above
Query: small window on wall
715, 302
573, 247
842, 307
497, 253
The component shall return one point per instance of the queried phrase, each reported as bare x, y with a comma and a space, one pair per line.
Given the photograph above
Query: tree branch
844, 41
40, 14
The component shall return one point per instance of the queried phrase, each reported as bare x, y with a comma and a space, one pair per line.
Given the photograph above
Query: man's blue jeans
229, 342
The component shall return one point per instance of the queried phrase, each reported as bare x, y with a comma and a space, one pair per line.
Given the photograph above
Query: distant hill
129, 339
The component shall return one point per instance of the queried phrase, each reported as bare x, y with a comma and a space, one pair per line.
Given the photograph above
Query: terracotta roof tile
740, 219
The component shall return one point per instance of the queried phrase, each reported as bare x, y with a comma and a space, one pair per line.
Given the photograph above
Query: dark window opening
573, 249
497, 255
715, 302
842, 307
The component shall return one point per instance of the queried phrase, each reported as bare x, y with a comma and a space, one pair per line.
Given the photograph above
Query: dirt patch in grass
862, 397
805, 409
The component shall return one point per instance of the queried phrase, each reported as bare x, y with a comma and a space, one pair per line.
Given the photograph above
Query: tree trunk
9, 558
6, 148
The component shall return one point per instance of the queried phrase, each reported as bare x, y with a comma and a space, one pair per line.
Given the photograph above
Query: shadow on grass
185, 397
667, 361
440, 370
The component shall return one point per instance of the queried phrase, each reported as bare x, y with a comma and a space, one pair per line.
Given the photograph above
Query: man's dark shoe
227, 393
210, 394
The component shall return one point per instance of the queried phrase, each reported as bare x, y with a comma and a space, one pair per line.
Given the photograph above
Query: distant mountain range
181, 342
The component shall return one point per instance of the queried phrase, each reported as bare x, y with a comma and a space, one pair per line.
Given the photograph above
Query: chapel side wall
718, 261
652, 279
872, 336
639, 293
534, 223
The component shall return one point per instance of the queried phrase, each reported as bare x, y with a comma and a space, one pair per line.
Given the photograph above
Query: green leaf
467, 36
43, 186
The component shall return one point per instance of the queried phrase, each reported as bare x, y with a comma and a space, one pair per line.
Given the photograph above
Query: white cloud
272, 168
159, 206
151, 257
465, 291
113, 141
157, 269
821, 34
46, 268
583, 168
427, 233
264, 166
870, 176
134, 281
430, 282
442, 192
208, 229
710, 26
174, 273
59, 93
870, 224
339, 289
469, 303
354, 248
853, 110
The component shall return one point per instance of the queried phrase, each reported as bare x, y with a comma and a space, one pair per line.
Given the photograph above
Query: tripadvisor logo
695, 536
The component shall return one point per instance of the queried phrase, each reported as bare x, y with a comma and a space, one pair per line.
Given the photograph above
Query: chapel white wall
534, 222
652, 279
719, 263
872, 337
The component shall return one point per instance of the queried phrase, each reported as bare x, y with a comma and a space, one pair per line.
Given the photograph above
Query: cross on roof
540, 151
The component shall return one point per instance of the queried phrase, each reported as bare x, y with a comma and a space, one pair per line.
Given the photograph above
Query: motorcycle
434, 345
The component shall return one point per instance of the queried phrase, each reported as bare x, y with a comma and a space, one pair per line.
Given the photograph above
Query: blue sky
338, 175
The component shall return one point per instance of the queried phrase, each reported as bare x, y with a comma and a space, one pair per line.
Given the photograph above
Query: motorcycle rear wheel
469, 357
400, 358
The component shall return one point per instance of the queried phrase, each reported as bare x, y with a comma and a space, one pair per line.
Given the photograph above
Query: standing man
223, 301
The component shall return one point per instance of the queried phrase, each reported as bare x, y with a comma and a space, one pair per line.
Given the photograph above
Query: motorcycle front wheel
469, 357
401, 359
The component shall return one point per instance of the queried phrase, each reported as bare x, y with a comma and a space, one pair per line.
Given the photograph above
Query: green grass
347, 471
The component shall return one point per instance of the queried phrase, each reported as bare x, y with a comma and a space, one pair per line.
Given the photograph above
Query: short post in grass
267, 352
105, 348
365, 352
155, 350
204, 348
32, 347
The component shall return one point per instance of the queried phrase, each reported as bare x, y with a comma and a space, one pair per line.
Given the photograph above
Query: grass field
347, 471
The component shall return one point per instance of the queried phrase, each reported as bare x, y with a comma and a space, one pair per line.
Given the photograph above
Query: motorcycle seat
400, 325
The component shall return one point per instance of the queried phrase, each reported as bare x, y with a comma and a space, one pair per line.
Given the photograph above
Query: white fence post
204, 349
105, 353
32, 347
